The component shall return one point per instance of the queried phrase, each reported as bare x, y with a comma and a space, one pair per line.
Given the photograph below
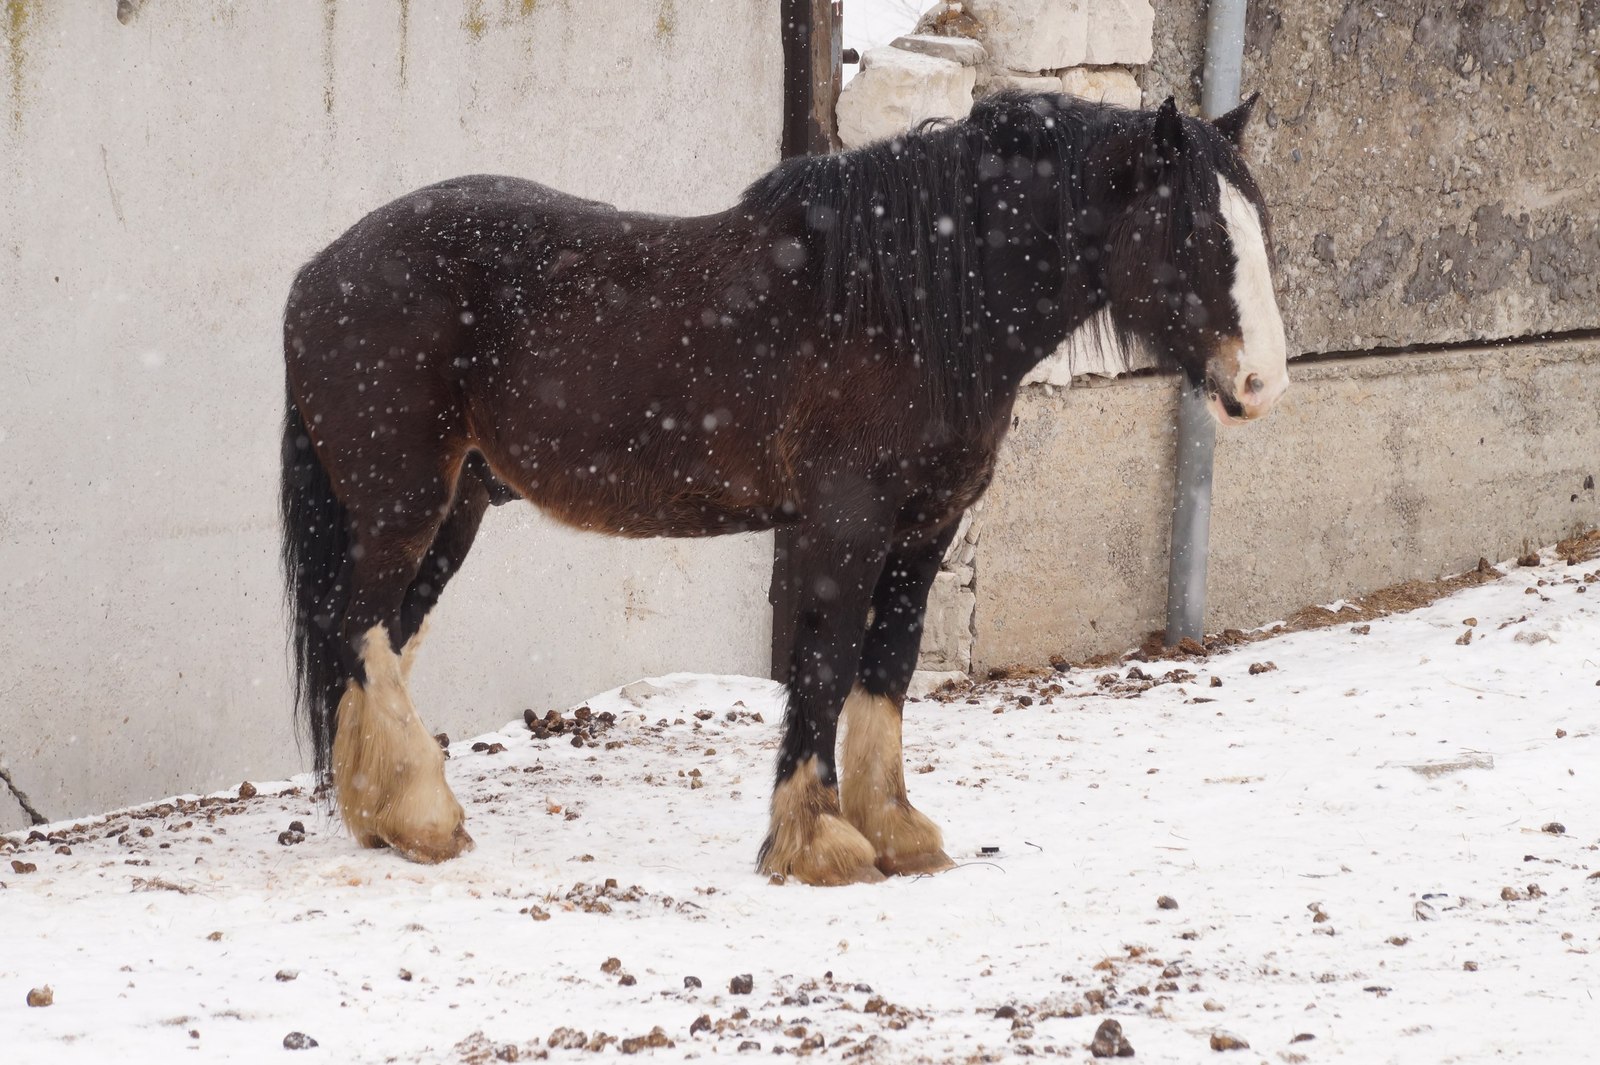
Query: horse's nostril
1253, 383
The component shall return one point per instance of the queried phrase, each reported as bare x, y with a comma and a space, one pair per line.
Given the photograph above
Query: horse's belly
646, 503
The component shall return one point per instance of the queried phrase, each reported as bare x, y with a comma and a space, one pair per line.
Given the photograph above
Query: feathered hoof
808, 839
426, 837
873, 788
431, 850
827, 853
934, 861
389, 776
907, 843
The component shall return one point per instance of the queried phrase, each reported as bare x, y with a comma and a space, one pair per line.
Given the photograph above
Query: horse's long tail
315, 554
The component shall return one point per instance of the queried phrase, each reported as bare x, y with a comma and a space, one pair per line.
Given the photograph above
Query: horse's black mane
893, 233
892, 225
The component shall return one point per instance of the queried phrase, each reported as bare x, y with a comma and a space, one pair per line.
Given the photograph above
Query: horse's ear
1232, 124
1168, 132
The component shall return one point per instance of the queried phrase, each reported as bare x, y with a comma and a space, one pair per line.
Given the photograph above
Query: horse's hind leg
443, 561
872, 780
388, 771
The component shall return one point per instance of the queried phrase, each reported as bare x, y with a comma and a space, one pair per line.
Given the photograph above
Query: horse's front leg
872, 781
832, 580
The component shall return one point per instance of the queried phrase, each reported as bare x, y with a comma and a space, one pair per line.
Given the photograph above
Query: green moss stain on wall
330, 19
667, 20
19, 18
478, 17
473, 20
405, 37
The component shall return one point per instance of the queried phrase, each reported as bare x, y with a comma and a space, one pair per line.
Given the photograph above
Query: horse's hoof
934, 861
906, 842
431, 851
822, 874
828, 853
816, 874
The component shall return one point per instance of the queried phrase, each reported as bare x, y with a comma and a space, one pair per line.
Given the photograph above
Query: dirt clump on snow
584, 726
1109, 1042
295, 833
655, 1040
1580, 548
479, 1049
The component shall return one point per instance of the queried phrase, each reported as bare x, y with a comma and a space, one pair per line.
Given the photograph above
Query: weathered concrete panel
1371, 471
160, 182
1431, 166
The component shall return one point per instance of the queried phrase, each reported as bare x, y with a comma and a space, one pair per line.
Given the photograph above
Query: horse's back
414, 274
483, 219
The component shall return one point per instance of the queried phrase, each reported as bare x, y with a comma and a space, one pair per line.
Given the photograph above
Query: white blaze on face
1264, 349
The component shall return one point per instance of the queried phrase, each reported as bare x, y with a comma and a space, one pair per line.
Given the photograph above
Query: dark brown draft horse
838, 352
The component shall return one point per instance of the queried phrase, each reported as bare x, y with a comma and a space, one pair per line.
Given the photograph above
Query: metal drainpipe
1197, 432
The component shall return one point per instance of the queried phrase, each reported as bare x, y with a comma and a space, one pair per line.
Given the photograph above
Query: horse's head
1188, 259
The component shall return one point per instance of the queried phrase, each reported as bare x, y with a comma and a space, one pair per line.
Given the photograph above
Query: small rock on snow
1227, 1041
1109, 1041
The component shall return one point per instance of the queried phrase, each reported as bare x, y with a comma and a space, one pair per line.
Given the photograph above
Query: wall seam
34, 816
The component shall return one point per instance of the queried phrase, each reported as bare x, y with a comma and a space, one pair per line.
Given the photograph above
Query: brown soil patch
1395, 599
1579, 548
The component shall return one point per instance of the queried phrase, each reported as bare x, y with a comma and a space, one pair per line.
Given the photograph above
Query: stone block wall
962, 47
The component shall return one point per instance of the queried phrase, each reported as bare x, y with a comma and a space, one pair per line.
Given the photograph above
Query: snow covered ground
1354, 845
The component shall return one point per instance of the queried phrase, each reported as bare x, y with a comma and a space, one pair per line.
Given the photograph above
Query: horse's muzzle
1237, 394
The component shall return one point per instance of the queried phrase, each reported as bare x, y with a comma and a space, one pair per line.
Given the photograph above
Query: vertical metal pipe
1219, 84
1197, 432
1191, 516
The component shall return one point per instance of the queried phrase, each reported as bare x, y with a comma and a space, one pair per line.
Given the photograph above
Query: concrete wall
1371, 471
161, 178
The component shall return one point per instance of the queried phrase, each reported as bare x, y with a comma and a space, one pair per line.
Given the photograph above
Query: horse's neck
1015, 361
